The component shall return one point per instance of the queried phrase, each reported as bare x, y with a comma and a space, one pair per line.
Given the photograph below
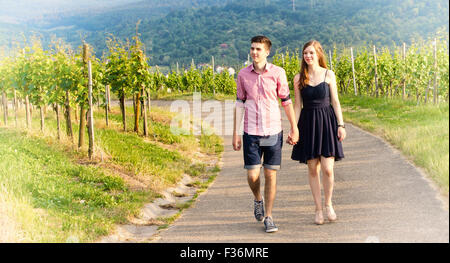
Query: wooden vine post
107, 101
5, 108
214, 86
353, 70
145, 113
82, 106
15, 106
435, 88
376, 74
68, 109
28, 111
404, 72
58, 121
91, 114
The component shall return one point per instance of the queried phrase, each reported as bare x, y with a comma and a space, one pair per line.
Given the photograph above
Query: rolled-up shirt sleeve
241, 95
283, 89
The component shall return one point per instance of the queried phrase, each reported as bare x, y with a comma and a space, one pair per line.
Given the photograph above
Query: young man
258, 88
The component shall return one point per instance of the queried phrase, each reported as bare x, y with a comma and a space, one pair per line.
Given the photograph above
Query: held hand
341, 134
293, 136
237, 142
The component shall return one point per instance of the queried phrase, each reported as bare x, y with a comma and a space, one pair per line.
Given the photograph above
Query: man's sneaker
270, 225
259, 210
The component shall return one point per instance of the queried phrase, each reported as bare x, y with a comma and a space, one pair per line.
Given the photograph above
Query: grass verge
421, 132
202, 185
52, 193
56, 199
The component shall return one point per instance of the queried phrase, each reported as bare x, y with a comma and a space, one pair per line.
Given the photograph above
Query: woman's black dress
317, 126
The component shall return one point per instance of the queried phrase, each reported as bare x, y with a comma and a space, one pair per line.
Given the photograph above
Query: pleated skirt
318, 135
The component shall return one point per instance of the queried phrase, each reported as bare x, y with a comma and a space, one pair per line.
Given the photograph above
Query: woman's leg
314, 182
327, 165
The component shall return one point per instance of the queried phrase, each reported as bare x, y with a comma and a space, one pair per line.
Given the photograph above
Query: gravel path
379, 196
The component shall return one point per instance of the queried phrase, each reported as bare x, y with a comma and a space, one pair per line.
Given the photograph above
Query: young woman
320, 123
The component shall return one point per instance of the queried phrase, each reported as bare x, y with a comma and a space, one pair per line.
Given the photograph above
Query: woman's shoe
330, 213
319, 217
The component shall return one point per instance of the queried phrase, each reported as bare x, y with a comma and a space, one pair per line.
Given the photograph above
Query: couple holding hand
317, 127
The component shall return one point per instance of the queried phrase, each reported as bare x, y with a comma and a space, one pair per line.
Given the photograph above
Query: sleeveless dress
317, 126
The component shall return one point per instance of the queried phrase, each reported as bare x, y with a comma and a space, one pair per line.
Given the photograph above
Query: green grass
421, 132
157, 130
142, 158
55, 194
160, 130
57, 198
211, 144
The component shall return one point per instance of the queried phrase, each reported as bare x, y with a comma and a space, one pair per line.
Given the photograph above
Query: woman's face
310, 55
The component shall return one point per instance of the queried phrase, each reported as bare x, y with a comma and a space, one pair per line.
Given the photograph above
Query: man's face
259, 52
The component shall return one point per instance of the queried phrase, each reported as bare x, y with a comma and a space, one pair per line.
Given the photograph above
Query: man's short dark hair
262, 39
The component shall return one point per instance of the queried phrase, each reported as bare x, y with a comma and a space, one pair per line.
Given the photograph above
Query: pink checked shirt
258, 94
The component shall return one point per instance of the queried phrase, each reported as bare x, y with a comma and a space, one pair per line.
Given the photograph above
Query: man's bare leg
270, 189
254, 182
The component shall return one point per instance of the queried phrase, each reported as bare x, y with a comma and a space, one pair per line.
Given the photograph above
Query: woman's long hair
304, 67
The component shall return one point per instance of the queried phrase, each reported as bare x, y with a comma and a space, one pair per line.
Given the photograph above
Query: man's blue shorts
255, 147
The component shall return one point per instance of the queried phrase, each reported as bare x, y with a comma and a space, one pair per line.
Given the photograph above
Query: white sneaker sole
272, 230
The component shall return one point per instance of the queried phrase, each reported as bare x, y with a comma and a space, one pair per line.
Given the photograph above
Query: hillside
179, 31
26, 11
199, 33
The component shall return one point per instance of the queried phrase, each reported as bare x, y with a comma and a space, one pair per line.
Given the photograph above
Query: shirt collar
268, 67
